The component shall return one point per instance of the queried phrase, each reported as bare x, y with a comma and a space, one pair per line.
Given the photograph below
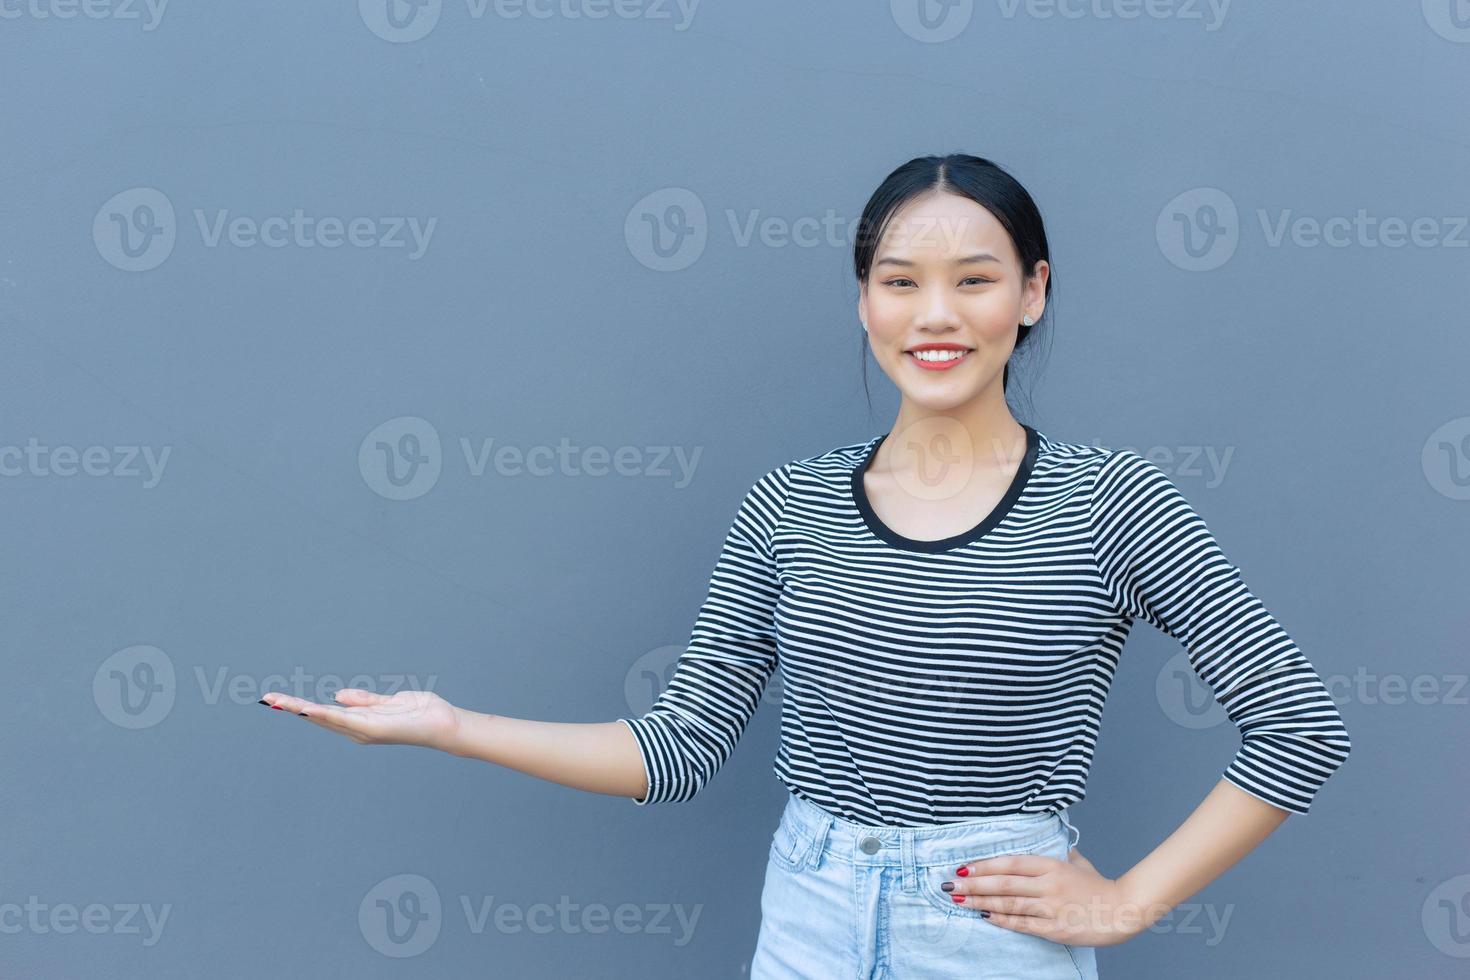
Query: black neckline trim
996, 515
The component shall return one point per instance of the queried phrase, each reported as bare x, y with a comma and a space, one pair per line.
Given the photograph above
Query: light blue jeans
847, 902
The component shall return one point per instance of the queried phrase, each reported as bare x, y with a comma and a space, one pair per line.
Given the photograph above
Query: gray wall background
1258, 226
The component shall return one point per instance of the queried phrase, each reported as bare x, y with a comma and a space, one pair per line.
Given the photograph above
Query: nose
936, 311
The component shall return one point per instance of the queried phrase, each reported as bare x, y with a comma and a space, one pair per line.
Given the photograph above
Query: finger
316, 712
347, 725
354, 723
287, 702
1030, 924
361, 724
357, 696
1023, 885
1008, 864
1011, 904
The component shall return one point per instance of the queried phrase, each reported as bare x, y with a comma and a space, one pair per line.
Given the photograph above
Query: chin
939, 392
937, 399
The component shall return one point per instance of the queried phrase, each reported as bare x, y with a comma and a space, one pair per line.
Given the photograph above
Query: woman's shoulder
831, 468
846, 454
833, 465
1063, 450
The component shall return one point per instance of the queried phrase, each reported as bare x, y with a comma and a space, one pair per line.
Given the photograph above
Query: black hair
983, 182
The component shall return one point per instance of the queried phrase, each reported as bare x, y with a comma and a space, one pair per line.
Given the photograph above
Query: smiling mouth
939, 357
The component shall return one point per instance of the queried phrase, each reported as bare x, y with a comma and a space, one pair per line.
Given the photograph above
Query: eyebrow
962, 260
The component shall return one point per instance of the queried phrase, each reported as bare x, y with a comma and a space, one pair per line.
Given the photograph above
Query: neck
973, 438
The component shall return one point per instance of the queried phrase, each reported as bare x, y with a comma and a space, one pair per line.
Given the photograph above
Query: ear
862, 310
1035, 291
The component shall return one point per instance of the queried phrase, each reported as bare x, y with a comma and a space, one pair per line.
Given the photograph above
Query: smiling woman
987, 243
946, 604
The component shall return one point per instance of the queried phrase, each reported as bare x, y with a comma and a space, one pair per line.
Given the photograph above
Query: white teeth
939, 355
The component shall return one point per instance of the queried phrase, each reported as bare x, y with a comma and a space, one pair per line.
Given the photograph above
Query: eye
976, 279
896, 280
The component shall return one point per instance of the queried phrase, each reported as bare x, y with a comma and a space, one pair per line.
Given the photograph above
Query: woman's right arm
601, 757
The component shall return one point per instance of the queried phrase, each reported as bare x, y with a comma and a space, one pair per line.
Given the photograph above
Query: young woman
946, 604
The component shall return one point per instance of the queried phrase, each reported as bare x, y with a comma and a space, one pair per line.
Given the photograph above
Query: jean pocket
1027, 947
1051, 844
788, 846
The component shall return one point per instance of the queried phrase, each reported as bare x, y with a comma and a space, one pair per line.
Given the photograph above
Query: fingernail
278, 707
962, 871
263, 701
303, 714
984, 914
958, 898
948, 886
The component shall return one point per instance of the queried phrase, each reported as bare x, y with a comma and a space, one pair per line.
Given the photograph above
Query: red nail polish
958, 898
278, 707
962, 871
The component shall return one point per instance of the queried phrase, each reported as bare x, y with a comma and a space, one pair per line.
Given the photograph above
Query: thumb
356, 696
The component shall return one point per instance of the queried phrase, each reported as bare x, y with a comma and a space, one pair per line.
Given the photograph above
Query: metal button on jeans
870, 845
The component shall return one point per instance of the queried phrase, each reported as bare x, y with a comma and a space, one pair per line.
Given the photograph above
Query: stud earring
1026, 320
865, 325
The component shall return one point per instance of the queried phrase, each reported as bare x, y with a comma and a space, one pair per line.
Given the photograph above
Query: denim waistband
820, 835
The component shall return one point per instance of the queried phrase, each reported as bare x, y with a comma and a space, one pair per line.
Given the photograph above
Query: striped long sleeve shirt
933, 681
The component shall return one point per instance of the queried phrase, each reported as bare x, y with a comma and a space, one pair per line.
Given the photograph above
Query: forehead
938, 226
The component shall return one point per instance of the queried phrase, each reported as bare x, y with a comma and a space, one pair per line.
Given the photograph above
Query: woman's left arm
1224, 828
1159, 562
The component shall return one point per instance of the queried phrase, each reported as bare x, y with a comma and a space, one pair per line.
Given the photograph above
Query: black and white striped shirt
928, 682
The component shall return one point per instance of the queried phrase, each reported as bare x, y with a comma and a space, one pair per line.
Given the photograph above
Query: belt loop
1074, 835
818, 845
910, 868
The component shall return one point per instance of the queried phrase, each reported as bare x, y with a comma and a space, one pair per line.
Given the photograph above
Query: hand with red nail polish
1065, 901
406, 718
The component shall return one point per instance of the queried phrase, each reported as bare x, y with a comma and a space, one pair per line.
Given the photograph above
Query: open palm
406, 718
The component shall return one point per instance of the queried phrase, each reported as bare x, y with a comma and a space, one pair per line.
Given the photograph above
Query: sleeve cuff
641, 738
1265, 794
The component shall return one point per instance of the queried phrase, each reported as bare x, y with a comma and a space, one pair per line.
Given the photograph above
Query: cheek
992, 316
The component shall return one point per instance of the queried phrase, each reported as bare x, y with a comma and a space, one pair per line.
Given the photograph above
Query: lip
940, 365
